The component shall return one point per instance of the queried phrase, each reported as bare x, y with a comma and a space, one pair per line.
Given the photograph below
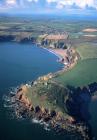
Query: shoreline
64, 57
25, 108
53, 52
61, 58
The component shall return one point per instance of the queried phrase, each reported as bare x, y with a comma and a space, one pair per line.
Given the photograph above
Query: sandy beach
63, 58
61, 54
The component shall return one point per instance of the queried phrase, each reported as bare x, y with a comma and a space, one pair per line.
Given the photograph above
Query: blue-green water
21, 63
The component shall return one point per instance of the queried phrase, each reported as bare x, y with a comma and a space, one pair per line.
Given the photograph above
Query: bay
19, 64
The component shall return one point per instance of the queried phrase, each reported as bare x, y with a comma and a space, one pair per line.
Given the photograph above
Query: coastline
25, 108
63, 57
49, 119
38, 28
58, 55
53, 52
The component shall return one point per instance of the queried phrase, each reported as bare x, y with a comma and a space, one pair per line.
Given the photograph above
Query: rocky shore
49, 118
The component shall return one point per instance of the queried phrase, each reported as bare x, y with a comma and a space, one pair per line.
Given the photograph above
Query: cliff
63, 108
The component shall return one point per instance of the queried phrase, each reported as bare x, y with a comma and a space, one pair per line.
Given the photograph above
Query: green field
87, 50
83, 73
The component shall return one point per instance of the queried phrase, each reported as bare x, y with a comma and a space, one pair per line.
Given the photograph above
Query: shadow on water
79, 101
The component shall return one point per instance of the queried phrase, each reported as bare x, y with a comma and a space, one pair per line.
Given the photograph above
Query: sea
21, 64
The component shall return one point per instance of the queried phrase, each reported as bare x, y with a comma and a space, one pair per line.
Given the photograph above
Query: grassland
87, 50
84, 73
48, 95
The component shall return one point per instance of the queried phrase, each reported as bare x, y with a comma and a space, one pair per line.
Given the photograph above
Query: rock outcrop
75, 115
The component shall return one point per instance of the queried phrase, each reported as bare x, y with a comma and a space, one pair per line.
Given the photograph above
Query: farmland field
87, 50
84, 73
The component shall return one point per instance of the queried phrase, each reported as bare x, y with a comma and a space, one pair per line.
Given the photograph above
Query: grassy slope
85, 71
48, 96
87, 50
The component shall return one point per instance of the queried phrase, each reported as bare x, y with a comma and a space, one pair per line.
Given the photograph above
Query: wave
47, 129
8, 106
11, 105
34, 120
42, 123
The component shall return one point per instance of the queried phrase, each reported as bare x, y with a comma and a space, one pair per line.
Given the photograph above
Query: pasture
84, 73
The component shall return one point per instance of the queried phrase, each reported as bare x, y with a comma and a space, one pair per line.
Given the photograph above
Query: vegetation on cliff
47, 94
64, 108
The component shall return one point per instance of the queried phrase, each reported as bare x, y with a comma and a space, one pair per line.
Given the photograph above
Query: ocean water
21, 63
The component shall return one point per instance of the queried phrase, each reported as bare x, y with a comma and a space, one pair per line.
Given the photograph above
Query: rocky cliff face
53, 96
63, 108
